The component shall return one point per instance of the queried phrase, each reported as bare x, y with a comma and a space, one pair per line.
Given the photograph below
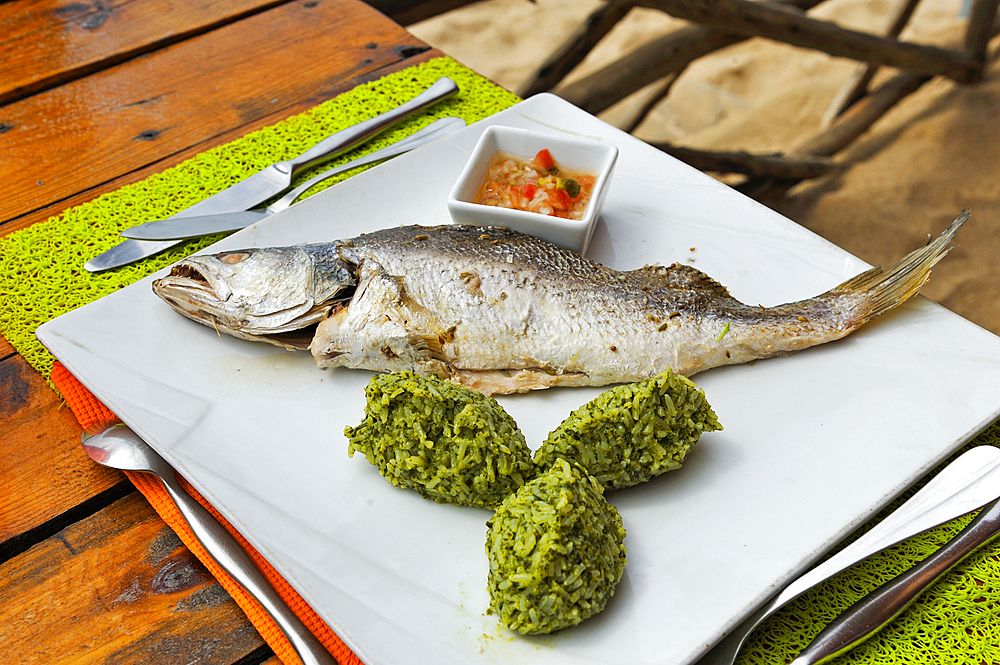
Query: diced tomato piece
528, 191
560, 199
515, 197
543, 160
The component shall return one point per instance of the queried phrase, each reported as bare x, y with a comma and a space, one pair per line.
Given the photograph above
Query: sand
916, 169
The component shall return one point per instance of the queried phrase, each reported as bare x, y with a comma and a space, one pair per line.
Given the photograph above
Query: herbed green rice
449, 443
556, 551
633, 432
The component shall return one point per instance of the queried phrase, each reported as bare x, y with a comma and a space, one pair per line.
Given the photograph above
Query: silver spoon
968, 483
121, 448
870, 614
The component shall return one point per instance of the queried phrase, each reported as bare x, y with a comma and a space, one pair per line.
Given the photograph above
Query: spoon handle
233, 559
431, 132
870, 614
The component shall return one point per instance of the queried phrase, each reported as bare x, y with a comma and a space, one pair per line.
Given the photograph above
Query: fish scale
502, 312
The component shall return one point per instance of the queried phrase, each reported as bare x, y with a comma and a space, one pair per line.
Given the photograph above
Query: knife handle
870, 614
348, 138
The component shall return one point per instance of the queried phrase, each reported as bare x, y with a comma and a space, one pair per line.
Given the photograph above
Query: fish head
272, 295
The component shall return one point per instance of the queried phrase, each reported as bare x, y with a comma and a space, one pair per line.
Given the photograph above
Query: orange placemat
93, 416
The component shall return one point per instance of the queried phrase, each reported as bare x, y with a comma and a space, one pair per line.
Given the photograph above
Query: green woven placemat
42, 276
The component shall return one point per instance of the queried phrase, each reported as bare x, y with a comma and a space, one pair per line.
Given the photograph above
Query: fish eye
233, 259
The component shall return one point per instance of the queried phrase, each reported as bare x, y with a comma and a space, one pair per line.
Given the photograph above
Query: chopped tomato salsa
537, 185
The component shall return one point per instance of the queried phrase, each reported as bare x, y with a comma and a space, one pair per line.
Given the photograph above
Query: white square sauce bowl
569, 152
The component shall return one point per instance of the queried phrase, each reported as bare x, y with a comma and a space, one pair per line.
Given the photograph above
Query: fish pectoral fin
294, 340
507, 381
426, 342
425, 331
382, 327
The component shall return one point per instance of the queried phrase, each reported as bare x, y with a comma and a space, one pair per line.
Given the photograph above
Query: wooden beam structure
664, 56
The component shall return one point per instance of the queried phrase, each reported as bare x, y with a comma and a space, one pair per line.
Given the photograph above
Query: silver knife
191, 227
870, 614
275, 178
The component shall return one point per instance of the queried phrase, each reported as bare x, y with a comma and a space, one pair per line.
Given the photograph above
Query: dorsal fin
680, 276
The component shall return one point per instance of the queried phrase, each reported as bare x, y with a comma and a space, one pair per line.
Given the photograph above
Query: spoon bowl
120, 448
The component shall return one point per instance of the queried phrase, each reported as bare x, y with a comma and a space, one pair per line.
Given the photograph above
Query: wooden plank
298, 106
118, 587
6, 349
44, 472
93, 130
47, 42
33, 419
408, 12
777, 22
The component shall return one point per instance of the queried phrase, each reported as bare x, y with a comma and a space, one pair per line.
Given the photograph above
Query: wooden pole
576, 48
655, 97
848, 127
862, 115
781, 23
659, 58
758, 166
982, 20
857, 85
667, 55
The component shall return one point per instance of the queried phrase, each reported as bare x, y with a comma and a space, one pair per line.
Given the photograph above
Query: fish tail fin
881, 291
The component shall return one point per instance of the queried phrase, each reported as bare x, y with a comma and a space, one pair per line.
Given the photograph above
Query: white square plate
814, 444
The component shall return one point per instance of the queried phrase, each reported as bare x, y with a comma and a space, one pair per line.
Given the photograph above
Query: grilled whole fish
503, 312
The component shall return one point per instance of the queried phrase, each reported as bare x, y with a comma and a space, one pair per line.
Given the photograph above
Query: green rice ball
556, 551
633, 432
449, 443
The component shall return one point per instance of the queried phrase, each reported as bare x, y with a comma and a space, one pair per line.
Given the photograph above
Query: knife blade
195, 227
273, 179
190, 227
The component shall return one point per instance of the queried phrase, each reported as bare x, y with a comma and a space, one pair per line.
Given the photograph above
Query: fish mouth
187, 271
202, 296
190, 292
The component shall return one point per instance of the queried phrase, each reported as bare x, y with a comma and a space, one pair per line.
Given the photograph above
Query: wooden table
94, 96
